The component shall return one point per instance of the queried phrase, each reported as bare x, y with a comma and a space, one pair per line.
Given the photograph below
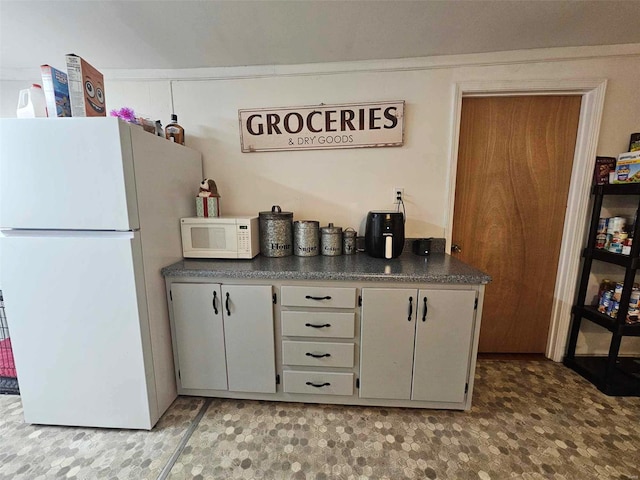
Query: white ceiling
190, 34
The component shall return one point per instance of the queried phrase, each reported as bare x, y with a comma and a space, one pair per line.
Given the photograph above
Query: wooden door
443, 345
514, 168
249, 338
386, 345
197, 318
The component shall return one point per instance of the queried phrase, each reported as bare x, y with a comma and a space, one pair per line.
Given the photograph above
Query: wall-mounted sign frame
319, 127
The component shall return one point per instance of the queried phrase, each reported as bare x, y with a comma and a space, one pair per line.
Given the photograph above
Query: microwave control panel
244, 240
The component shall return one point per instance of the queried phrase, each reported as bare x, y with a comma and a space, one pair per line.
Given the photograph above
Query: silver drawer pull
316, 355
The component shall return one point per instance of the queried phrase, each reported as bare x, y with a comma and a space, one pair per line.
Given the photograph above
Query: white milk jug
31, 102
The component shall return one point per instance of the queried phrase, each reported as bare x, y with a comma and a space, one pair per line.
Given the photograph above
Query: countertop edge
483, 280
455, 273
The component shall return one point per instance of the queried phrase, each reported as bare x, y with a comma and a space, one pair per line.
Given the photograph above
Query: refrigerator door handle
23, 233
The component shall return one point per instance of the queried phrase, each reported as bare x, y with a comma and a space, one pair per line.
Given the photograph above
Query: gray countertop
435, 268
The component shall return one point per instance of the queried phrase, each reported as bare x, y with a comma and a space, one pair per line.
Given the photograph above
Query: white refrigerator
89, 214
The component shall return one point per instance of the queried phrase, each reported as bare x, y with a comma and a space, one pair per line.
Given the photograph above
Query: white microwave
220, 237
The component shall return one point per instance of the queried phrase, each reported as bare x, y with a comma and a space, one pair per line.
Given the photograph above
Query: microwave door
217, 240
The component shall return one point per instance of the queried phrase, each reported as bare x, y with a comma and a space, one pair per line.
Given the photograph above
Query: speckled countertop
436, 268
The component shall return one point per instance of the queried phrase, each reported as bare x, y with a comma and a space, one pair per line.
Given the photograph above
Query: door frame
575, 226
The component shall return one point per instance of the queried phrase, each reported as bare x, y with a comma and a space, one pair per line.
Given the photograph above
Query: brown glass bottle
173, 131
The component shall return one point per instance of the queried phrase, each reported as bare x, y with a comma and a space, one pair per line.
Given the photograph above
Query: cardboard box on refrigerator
56, 91
86, 88
627, 168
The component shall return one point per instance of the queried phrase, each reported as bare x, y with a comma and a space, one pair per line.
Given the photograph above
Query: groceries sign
320, 127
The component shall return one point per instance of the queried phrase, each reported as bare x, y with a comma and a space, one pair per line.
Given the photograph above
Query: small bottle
31, 103
173, 131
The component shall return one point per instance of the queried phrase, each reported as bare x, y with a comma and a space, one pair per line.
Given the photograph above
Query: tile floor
530, 420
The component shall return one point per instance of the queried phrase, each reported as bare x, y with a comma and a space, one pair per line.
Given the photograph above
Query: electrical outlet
398, 194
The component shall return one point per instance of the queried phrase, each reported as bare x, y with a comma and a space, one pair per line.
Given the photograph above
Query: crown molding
512, 57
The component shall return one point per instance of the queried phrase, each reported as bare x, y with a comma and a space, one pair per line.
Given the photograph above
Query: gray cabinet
416, 344
224, 336
326, 342
199, 336
443, 345
386, 342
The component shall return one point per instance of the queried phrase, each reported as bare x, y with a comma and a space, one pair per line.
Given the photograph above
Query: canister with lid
276, 237
331, 240
306, 238
349, 241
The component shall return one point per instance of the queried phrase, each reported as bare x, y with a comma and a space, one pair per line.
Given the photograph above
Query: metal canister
331, 240
349, 241
276, 237
306, 238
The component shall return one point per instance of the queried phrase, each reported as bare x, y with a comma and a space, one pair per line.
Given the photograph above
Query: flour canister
331, 240
276, 239
349, 241
306, 238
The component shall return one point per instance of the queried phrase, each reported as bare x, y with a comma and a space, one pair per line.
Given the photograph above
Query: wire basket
8, 376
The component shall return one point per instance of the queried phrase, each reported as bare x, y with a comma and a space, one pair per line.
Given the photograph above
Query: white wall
341, 186
338, 186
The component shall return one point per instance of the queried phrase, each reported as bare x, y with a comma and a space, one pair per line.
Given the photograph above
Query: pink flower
126, 114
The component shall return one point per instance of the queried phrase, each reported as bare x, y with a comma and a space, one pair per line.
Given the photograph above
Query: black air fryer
384, 236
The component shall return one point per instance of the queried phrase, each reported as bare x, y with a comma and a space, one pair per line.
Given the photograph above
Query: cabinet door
248, 328
199, 335
388, 331
443, 345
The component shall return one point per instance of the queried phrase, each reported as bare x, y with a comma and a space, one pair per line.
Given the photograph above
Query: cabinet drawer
318, 354
318, 324
332, 297
329, 383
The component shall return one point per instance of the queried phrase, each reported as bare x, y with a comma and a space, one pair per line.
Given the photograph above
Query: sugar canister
306, 238
331, 240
